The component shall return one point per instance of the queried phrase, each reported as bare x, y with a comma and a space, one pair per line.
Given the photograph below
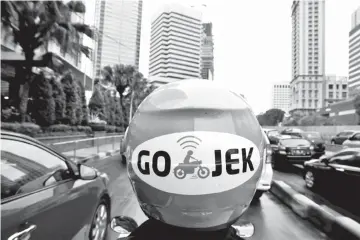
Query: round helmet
195, 155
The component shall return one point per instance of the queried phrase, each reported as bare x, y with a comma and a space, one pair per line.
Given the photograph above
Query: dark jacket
156, 230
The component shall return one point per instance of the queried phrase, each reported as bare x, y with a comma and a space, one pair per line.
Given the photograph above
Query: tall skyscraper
175, 45
354, 54
281, 96
118, 25
308, 54
207, 53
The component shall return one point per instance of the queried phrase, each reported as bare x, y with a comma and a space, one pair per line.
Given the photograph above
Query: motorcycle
124, 226
183, 169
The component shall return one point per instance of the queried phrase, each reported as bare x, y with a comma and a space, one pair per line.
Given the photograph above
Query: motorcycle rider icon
188, 167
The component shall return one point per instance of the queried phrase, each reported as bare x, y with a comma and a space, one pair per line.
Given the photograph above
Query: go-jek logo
194, 163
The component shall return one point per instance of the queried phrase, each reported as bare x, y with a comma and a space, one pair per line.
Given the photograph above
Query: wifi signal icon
189, 142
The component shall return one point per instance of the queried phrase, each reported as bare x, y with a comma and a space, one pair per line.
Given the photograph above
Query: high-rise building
175, 45
118, 25
308, 53
207, 53
354, 54
281, 96
334, 89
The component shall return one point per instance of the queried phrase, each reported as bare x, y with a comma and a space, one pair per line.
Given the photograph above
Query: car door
340, 169
354, 141
40, 195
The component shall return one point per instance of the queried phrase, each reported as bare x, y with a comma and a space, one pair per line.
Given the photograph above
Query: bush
70, 91
29, 129
96, 104
119, 130
42, 108
79, 110
96, 127
110, 128
85, 111
85, 129
59, 128
59, 99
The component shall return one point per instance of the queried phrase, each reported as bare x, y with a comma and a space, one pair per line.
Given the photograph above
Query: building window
344, 95
337, 95
310, 93
303, 103
310, 103
344, 86
330, 86
316, 92
331, 95
337, 86
316, 103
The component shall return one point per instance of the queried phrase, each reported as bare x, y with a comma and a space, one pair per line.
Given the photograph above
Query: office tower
118, 25
308, 54
175, 45
207, 53
281, 96
354, 54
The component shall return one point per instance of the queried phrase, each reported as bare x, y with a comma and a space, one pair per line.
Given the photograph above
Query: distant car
292, 150
267, 172
291, 131
340, 170
353, 140
342, 136
317, 140
45, 196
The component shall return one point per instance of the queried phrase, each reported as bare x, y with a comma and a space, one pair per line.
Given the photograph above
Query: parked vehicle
44, 195
292, 150
341, 170
267, 172
290, 131
353, 140
272, 135
318, 142
342, 136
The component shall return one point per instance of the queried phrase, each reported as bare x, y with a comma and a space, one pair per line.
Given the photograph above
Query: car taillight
268, 153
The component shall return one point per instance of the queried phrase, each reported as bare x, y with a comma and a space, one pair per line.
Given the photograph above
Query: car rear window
273, 133
294, 142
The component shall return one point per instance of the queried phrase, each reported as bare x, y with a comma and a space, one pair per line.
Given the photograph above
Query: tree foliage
79, 107
59, 99
43, 104
70, 90
96, 103
271, 117
32, 25
84, 107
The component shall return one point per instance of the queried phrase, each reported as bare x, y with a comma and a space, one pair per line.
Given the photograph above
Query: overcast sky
252, 41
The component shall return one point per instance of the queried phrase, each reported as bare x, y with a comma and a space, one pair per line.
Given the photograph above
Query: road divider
97, 156
337, 227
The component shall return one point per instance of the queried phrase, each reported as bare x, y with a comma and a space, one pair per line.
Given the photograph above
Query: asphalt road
272, 219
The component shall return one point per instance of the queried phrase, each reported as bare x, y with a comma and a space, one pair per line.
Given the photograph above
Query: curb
99, 156
337, 227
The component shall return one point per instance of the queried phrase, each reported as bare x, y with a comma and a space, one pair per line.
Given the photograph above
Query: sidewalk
86, 154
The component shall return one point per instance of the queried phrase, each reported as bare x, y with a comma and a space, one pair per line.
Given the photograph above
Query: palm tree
120, 76
33, 24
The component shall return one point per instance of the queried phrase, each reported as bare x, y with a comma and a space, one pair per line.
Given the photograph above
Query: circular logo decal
196, 163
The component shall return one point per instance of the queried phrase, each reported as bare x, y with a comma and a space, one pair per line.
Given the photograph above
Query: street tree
33, 24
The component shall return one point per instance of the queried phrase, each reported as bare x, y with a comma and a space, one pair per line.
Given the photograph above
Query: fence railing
82, 148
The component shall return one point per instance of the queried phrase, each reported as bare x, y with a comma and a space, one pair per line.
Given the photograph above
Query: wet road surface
272, 219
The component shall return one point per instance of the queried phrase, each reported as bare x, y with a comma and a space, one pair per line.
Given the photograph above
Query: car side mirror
123, 225
87, 173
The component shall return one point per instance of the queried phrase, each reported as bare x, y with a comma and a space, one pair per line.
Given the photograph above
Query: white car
122, 147
353, 141
264, 184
